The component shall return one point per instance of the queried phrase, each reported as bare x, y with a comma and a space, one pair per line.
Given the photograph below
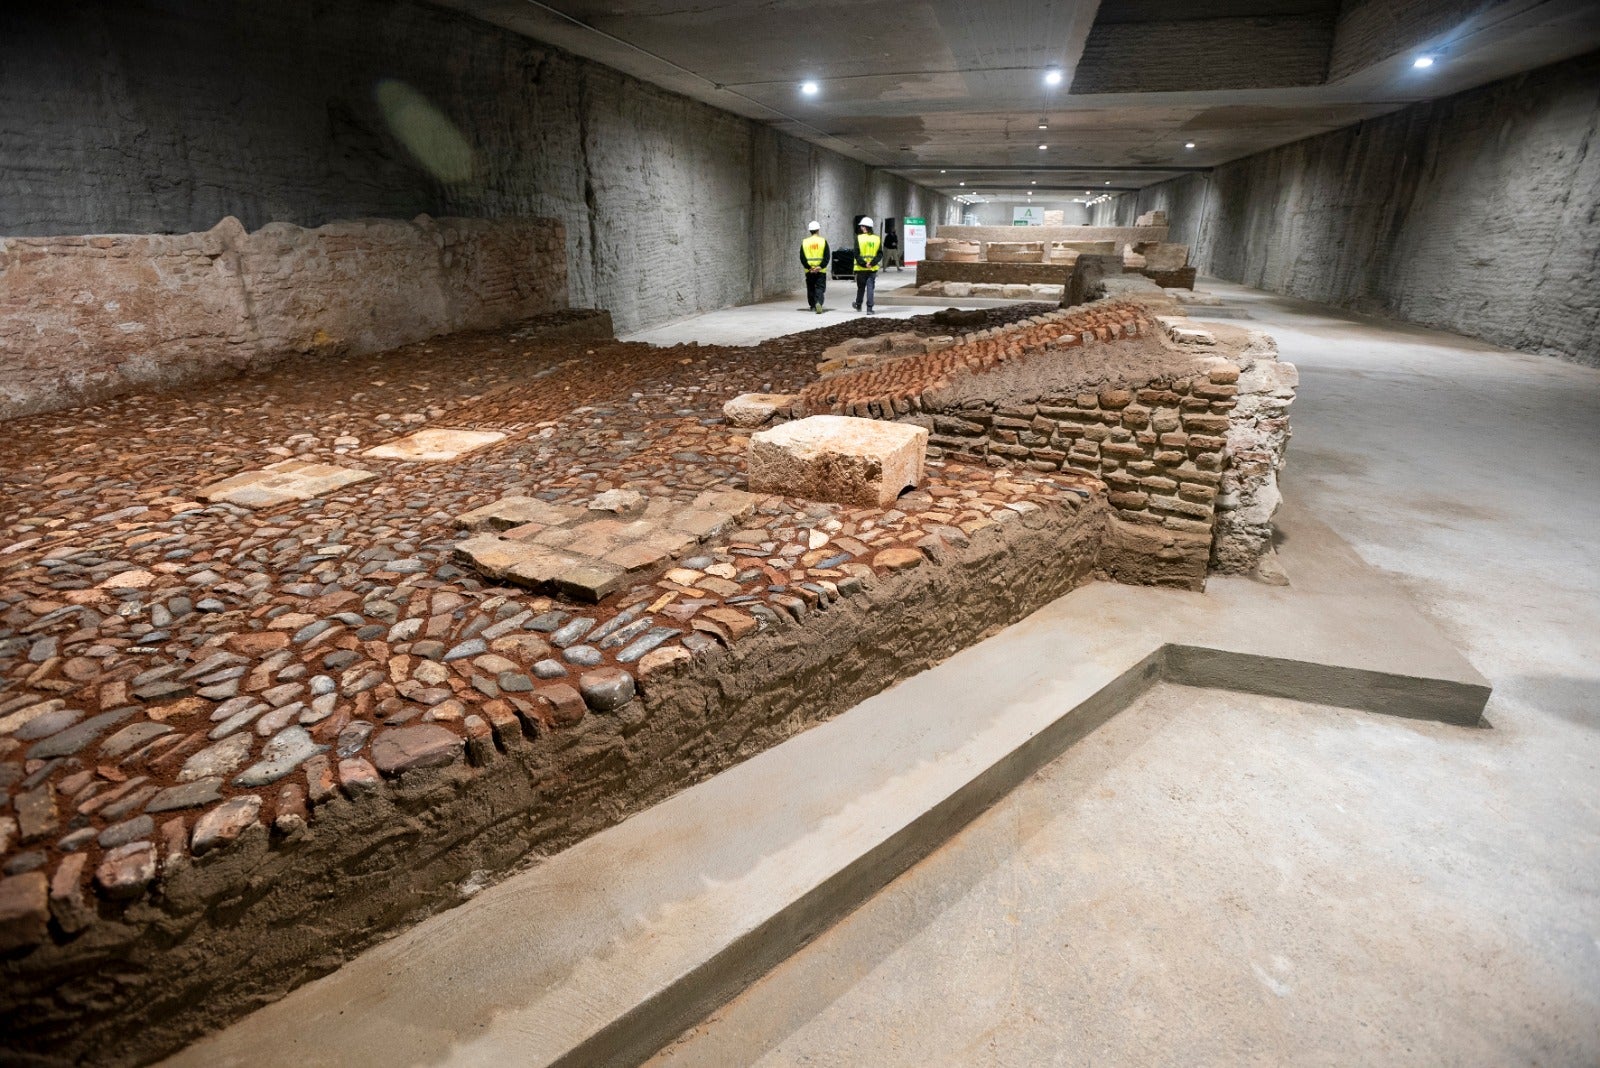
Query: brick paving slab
176, 675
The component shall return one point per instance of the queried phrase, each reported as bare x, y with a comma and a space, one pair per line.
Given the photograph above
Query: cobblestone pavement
172, 672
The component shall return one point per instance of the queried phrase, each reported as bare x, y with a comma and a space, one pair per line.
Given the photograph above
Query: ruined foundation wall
222, 933
1185, 424
1478, 213
84, 318
146, 119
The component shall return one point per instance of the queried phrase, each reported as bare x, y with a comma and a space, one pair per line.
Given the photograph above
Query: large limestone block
1016, 252
941, 251
1162, 256
838, 458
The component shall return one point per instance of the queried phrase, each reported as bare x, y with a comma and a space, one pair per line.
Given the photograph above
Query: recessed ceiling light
1422, 62
1033, 183
1044, 126
1052, 77
1108, 181
810, 88
941, 172
1188, 144
963, 183
1043, 147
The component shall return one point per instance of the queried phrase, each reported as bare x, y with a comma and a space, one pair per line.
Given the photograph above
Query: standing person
815, 257
869, 258
891, 245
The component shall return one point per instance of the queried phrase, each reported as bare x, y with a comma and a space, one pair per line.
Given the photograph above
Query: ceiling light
1052, 77
1188, 144
1043, 147
941, 172
963, 183
1044, 126
810, 88
1033, 183
1030, 192
1422, 62
1108, 181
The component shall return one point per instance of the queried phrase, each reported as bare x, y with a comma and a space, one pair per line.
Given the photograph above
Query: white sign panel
1027, 216
916, 240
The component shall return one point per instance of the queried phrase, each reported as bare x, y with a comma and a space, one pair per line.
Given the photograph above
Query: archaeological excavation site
567, 534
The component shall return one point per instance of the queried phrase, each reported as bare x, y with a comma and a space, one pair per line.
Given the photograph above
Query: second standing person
869, 258
815, 257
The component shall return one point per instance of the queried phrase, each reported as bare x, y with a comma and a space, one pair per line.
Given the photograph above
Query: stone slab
1164, 256
281, 483
435, 444
509, 512
588, 553
1185, 331
757, 409
584, 959
838, 458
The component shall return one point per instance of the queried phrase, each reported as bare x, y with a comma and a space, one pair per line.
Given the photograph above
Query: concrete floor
1218, 879
748, 324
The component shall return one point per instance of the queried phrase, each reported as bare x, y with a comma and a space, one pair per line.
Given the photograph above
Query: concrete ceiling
943, 91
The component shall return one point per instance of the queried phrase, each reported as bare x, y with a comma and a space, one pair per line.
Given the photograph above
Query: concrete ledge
603, 953
1458, 701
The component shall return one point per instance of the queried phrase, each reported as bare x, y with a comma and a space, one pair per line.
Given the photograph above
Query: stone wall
1185, 425
84, 318
1478, 213
121, 960
993, 273
134, 118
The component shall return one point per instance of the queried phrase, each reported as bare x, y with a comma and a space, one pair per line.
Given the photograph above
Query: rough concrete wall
83, 318
796, 182
1478, 213
997, 214
1183, 199
165, 118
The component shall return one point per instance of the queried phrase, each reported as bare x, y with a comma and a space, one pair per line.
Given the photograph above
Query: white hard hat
813, 225
866, 220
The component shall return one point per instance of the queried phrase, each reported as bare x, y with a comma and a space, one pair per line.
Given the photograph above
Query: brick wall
86, 317
1185, 426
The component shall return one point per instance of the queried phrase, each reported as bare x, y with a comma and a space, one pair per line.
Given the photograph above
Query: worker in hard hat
815, 257
869, 257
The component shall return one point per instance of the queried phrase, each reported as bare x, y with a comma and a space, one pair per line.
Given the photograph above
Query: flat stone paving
174, 672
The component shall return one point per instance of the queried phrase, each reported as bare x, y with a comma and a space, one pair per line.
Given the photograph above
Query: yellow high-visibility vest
815, 249
867, 245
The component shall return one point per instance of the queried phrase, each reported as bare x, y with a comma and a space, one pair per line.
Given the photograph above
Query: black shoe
857, 307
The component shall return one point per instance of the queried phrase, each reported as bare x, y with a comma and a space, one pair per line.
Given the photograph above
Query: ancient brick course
153, 309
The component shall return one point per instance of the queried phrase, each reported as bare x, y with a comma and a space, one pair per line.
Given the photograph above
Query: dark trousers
866, 287
816, 286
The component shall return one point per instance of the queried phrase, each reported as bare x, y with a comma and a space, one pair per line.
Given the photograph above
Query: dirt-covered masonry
1187, 425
